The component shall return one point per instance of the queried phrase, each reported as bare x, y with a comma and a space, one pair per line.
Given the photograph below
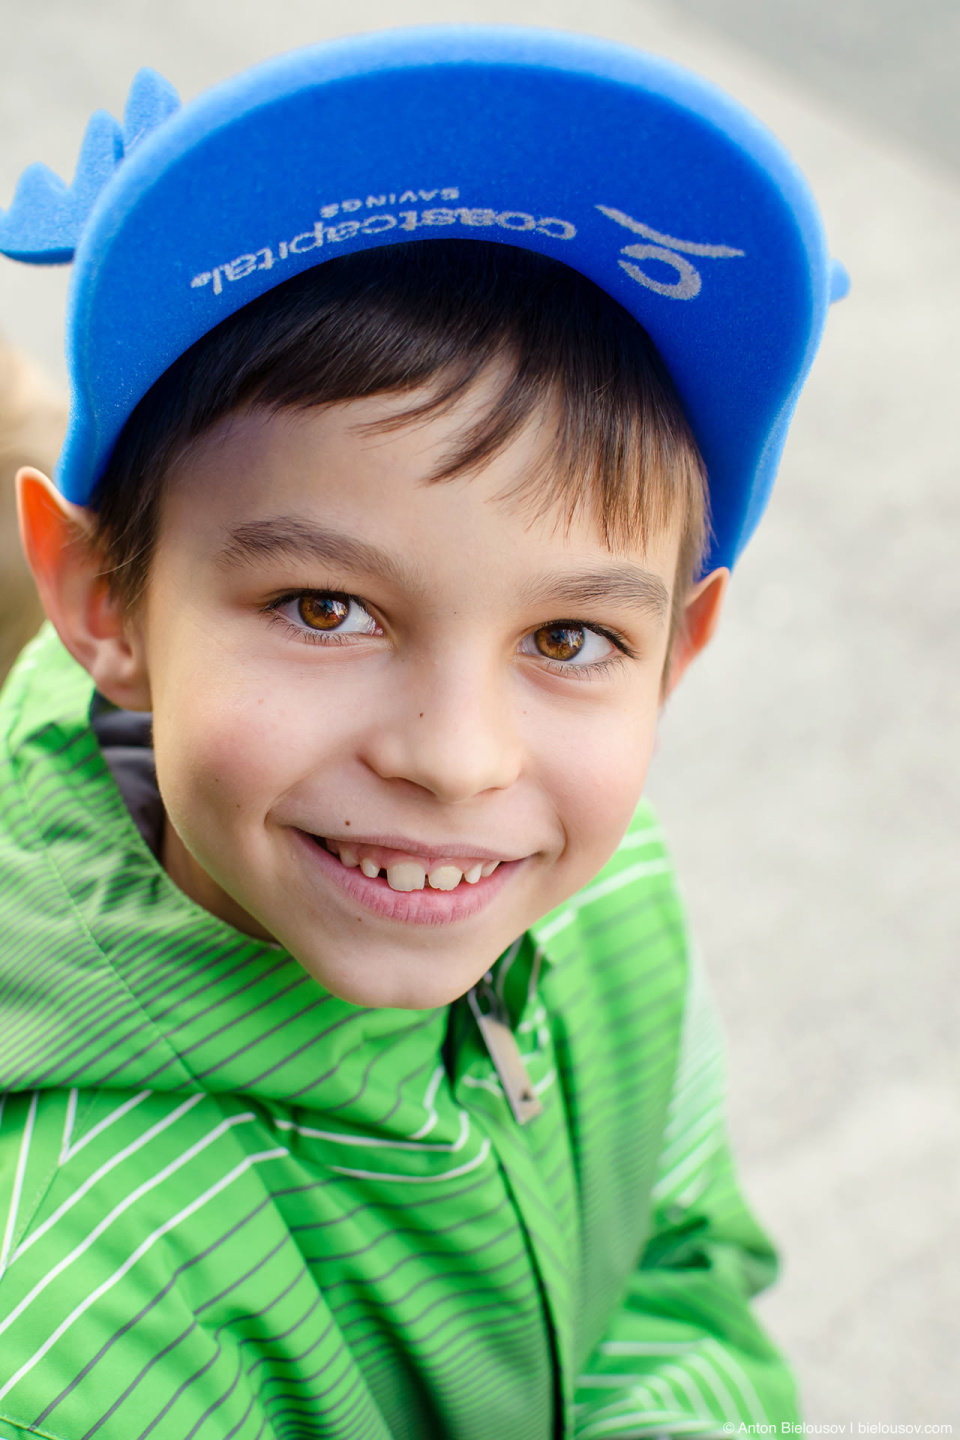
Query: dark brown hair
433, 314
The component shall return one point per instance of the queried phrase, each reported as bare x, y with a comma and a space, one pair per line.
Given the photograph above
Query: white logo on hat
320, 234
664, 248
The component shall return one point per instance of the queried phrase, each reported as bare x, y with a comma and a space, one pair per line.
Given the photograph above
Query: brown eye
560, 642
323, 612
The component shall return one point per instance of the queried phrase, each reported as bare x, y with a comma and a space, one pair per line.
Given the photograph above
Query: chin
390, 982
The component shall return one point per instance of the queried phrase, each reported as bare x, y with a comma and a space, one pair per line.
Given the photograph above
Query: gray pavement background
807, 771
894, 63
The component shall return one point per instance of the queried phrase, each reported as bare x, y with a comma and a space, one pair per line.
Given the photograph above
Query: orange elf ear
700, 619
58, 540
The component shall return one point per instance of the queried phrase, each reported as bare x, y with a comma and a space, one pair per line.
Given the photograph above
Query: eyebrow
626, 584
296, 539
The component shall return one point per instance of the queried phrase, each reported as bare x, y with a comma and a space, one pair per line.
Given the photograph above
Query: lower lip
413, 907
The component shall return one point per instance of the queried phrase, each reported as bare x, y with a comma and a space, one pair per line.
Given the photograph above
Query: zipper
493, 1022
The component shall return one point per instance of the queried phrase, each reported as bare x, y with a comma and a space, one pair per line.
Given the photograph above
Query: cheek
226, 754
595, 774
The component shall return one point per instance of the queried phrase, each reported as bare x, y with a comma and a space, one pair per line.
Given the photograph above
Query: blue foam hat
646, 179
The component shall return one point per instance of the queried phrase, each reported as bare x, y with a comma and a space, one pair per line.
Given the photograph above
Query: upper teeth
405, 875
445, 877
411, 874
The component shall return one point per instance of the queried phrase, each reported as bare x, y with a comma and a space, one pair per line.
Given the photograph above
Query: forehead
353, 484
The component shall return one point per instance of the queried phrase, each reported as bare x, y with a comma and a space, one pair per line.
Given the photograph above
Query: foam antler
44, 223
150, 101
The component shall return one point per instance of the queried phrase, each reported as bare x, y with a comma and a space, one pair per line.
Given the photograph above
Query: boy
358, 1081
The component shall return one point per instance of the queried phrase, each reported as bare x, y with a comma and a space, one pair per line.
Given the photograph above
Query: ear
58, 540
701, 615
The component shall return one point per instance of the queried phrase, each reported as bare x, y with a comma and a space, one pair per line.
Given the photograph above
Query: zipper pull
494, 1025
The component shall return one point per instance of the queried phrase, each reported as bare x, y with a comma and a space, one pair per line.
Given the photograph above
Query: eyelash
271, 611
599, 667
582, 672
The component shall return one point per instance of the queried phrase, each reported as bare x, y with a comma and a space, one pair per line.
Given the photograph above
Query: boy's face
347, 664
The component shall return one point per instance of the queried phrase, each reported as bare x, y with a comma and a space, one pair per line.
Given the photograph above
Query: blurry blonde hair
33, 417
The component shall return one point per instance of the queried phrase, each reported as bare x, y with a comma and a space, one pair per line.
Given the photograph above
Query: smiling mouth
404, 872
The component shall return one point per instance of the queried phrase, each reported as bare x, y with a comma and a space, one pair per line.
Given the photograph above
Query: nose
449, 729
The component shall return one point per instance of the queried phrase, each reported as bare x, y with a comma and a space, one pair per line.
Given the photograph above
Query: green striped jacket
232, 1205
